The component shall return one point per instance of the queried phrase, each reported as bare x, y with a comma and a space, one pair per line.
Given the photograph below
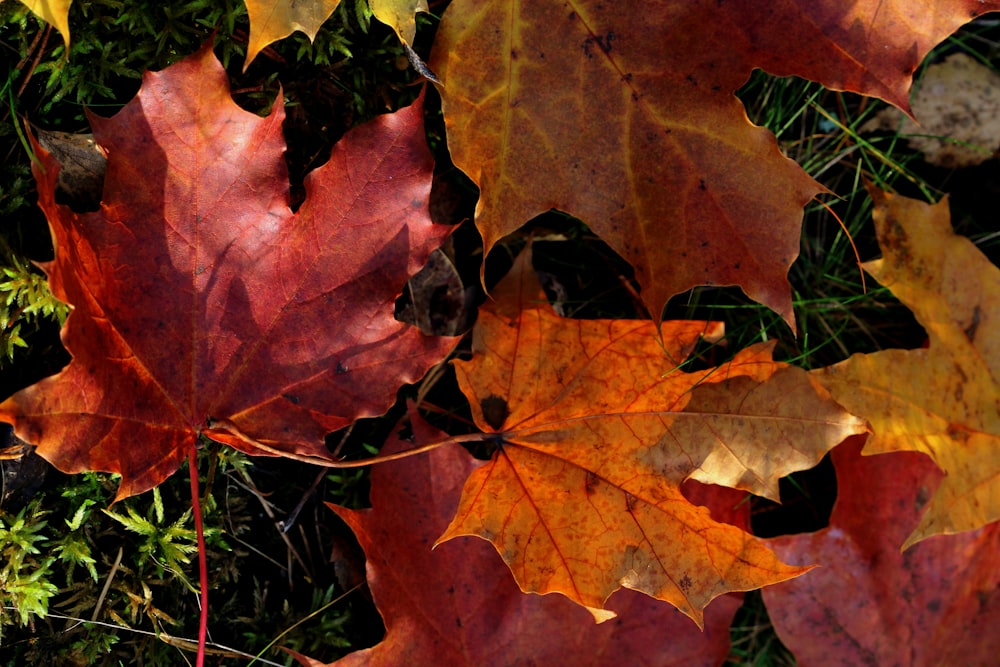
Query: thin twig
303, 620
431, 379
178, 642
36, 59
274, 519
107, 585
287, 524
343, 440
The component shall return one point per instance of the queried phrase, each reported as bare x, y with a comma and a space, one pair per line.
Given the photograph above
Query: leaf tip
601, 615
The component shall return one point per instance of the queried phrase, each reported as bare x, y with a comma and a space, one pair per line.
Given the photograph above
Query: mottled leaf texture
943, 400
868, 604
271, 20
201, 304
624, 115
53, 12
583, 496
457, 605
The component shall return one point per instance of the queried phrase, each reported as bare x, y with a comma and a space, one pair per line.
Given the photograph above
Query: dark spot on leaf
603, 42
513, 54
684, 583
494, 411
701, 184
630, 501
291, 398
970, 331
923, 495
341, 368
591, 483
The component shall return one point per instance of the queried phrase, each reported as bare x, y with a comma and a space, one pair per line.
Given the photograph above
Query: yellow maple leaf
943, 400
400, 15
271, 20
53, 12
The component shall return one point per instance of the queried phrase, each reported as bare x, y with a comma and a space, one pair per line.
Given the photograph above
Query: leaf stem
202, 556
231, 429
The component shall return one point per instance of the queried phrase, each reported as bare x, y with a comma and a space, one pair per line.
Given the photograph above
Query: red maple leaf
868, 603
202, 304
457, 605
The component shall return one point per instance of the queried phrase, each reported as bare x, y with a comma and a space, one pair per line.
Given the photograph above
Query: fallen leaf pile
203, 306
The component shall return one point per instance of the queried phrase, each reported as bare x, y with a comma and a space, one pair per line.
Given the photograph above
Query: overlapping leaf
869, 604
400, 15
457, 605
943, 400
202, 304
623, 114
583, 495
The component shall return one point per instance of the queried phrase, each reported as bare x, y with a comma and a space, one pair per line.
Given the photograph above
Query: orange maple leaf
597, 427
624, 115
943, 400
458, 606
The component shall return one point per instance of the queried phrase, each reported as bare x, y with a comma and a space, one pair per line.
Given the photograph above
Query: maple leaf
201, 304
943, 400
624, 115
53, 12
271, 20
594, 441
400, 15
869, 604
455, 606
